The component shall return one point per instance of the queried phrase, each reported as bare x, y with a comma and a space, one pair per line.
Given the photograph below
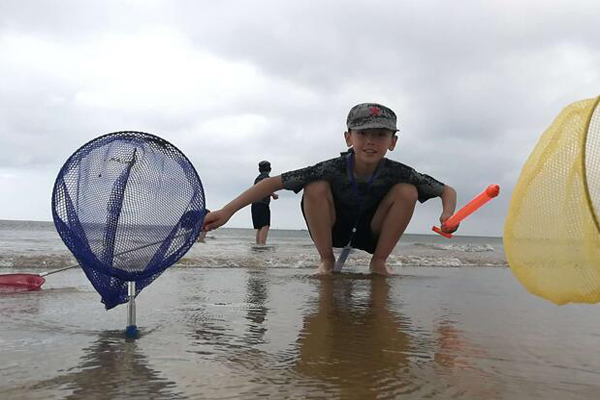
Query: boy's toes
324, 271
382, 271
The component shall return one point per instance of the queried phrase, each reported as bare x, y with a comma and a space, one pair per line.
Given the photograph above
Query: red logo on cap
375, 110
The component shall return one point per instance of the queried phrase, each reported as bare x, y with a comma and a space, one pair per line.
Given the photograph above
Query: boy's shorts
261, 215
341, 231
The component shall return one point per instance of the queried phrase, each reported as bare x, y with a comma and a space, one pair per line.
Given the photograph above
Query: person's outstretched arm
448, 206
262, 189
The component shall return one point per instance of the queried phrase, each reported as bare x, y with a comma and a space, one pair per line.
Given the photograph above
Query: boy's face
371, 145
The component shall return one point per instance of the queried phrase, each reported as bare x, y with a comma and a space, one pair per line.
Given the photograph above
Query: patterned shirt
335, 171
264, 200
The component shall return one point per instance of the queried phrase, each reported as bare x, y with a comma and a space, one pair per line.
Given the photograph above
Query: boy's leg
264, 231
319, 211
262, 234
390, 221
255, 221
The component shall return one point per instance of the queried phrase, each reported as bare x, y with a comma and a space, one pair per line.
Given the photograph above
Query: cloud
234, 82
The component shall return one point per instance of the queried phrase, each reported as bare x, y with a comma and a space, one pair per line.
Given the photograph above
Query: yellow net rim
588, 197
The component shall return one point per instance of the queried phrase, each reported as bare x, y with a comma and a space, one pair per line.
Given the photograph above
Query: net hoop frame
114, 272
588, 197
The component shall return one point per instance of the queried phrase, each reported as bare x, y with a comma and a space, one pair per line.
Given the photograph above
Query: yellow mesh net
551, 233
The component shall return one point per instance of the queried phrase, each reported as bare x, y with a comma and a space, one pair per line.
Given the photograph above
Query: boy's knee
405, 192
317, 190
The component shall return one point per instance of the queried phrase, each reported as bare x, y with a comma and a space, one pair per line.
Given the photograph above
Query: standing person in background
261, 213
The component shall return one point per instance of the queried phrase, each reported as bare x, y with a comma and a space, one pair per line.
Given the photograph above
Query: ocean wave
356, 259
467, 248
283, 257
20, 261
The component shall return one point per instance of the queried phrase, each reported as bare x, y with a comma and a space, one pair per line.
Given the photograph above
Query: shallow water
262, 331
31, 245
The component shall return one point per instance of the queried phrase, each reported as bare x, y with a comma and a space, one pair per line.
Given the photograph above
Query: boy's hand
443, 218
215, 219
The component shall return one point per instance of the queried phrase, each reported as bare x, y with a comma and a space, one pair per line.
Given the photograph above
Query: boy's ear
347, 136
393, 143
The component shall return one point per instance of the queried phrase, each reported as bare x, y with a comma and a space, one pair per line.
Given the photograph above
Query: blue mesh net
127, 205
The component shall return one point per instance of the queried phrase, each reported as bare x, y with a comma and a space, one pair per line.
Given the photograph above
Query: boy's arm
448, 206
262, 189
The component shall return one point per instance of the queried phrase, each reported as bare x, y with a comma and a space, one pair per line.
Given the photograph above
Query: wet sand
256, 332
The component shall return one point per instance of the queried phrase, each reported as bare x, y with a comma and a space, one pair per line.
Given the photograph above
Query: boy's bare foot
325, 268
379, 267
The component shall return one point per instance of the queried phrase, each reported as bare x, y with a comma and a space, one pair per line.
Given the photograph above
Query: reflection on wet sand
256, 297
19, 304
454, 362
452, 349
213, 331
112, 368
362, 349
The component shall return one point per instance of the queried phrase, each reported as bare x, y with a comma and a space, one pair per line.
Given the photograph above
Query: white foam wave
245, 256
466, 248
6, 262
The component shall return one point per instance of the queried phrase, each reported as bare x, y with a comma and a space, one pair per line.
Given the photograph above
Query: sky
230, 83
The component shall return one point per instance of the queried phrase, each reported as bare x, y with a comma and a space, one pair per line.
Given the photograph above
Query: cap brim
373, 125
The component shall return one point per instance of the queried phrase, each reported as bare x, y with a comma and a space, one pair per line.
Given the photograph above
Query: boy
261, 213
360, 198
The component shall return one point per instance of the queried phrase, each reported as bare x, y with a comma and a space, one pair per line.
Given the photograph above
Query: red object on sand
26, 282
21, 282
489, 193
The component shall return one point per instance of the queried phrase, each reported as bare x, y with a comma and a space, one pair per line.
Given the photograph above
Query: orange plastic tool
452, 222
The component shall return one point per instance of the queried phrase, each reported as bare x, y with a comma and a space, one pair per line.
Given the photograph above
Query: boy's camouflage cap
371, 116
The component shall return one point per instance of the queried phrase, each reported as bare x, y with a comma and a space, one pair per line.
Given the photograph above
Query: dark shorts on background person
261, 215
363, 239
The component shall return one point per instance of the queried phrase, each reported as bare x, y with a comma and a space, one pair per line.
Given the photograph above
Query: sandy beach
217, 333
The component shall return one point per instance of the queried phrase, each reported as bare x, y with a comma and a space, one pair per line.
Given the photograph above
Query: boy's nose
371, 137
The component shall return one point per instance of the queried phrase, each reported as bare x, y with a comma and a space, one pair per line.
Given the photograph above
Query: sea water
236, 320
31, 245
